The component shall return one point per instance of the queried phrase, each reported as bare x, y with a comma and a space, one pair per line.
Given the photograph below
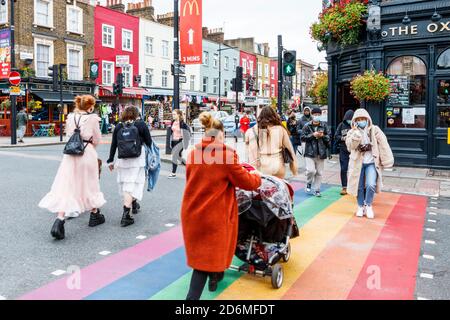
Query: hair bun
206, 119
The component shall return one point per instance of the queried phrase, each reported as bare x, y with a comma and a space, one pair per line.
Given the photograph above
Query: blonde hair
84, 103
210, 124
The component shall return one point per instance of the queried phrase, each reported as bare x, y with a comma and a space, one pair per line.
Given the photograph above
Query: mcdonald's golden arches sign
191, 31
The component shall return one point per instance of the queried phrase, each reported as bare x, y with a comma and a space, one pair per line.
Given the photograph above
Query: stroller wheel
277, 276
287, 255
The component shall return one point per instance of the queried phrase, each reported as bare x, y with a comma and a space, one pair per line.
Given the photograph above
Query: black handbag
75, 146
287, 156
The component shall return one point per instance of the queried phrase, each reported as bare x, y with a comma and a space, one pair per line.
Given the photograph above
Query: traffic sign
183, 79
14, 78
14, 91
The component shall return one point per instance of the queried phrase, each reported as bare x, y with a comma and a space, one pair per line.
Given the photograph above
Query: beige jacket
381, 151
270, 151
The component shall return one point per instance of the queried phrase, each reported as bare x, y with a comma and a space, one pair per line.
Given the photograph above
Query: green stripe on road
303, 212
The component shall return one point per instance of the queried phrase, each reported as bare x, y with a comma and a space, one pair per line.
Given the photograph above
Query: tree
319, 90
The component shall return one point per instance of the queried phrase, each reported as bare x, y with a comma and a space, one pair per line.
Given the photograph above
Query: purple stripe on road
108, 270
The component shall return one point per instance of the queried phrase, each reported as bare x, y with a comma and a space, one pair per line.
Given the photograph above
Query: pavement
402, 254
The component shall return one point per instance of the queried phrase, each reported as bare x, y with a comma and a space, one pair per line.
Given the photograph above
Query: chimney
142, 9
216, 35
116, 5
266, 49
166, 19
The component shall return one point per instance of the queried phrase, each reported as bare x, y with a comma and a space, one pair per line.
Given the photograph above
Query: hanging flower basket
6, 104
341, 23
34, 105
371, 86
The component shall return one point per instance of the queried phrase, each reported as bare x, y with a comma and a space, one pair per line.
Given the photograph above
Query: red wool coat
209, 212
245, 124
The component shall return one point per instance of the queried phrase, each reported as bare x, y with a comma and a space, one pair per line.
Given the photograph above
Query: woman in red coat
245, 124
209, 213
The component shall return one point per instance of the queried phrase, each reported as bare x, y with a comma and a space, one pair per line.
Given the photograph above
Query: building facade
413, 50
302, 81
274, 77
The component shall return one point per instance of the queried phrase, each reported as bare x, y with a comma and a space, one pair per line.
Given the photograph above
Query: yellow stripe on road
314, 237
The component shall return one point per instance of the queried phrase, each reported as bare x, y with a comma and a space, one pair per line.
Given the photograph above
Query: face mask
362, 124
316, 118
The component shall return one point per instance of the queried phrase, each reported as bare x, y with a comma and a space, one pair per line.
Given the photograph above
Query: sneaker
172, 176
344, 192
308, 188
369, 212
317, 193
360, 213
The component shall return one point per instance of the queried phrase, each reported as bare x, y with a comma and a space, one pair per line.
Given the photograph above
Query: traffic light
239, 79
233, 84
118, 86
289, 63
54, 74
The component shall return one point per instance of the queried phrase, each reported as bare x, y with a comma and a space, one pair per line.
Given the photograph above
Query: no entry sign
14, 78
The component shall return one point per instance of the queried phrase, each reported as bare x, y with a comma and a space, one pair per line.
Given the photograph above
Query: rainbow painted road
337, 256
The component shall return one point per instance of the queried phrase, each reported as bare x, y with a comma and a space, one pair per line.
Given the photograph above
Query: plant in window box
27, 72
341, 23
34, 105
371, 86
5, 105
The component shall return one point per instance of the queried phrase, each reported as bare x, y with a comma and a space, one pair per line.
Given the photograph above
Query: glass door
441, 148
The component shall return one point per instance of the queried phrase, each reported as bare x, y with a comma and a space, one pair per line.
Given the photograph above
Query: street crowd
213, 172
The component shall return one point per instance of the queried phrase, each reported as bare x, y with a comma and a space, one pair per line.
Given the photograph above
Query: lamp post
220, 70
13, 66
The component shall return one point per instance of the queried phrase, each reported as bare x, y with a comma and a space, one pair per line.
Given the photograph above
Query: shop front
416, 59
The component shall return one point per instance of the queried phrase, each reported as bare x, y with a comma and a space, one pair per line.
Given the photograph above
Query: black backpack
129, 141
75, 146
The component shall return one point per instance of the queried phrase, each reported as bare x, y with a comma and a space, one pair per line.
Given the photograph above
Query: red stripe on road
395, 255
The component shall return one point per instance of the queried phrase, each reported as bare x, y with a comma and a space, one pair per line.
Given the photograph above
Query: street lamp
220, 70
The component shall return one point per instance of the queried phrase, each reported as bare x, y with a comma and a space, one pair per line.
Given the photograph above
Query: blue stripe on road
300, 195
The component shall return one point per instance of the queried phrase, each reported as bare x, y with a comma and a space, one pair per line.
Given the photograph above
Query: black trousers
344, 158
198, 282
177, 150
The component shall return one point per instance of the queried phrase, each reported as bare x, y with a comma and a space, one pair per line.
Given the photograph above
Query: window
43, 13
226, 84
75, 64
127, 40
4, 13
127, 76
192, 83
148, 77
443, 104
272, 90
272, 72
165, 80
266, 70
215, 82
205, 84
108, 36
251, 68
406, 106
227, 63
234, 64
74, 19
259, 69
149, 45
165, 49
206, 58
244, 66
107, 73
444, 60
216, 60
42, 60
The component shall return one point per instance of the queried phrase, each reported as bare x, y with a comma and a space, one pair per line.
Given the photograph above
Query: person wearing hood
305, 118
209, 212
344, 155
370, 153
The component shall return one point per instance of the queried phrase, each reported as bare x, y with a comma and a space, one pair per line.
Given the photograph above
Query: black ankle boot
126, 218
58, 231
214, 279
96, 219
136, 207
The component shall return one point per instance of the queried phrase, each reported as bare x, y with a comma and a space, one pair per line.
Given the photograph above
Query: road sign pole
176, 58
13, 66
280, 75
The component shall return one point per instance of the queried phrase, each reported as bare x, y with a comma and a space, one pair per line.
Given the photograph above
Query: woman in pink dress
76, 187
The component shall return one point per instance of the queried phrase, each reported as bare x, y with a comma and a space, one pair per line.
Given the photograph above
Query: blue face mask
362, 124
316, 118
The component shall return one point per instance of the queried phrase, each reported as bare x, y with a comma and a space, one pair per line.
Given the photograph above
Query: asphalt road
29, 254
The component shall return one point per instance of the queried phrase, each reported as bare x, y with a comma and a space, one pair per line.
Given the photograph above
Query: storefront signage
5, 54
191, 31
421, 29
93, 70
122, 61
448, 136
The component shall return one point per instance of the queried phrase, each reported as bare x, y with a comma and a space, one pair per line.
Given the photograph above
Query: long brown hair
268, 117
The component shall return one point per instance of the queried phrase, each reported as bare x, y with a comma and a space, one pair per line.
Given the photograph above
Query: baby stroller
266, 224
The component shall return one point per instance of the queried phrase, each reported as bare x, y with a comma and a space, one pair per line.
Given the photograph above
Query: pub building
409, 40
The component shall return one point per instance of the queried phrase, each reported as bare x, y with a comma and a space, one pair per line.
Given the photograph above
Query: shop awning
137, 93
53, 97
160, 92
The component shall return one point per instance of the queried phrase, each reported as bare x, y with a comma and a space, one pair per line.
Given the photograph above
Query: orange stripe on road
333, 274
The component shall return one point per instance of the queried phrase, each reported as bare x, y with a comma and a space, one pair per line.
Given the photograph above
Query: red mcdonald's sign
191, 31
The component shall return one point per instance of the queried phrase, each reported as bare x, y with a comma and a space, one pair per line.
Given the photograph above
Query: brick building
50, 32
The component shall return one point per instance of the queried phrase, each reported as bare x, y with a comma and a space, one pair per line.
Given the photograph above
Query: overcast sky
262, 19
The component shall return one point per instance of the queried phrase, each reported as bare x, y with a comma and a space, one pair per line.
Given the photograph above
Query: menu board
399, 91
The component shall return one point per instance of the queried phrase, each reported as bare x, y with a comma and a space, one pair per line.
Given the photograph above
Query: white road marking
141, 237
58, 272
427, 256
432, 221
169, 225
433, 208
2, 298
433, 213
434, 198
430, 242
430, 230
426, 276
104, 253
434, 202
420, 298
